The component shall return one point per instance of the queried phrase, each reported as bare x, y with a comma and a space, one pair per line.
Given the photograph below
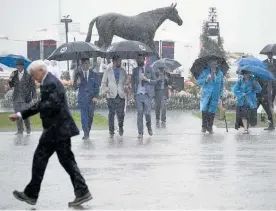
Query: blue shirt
117, 74
141, 89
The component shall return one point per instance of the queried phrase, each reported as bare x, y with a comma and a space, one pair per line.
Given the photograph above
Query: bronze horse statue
141, 27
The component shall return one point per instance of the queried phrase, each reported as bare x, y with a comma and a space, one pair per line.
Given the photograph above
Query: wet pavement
177, 168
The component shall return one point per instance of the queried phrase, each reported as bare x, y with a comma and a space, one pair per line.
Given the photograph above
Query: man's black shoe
203, 129
163, 124
21, 196
121, 131
150, 131
157, 124
210, 130
80, 200
270, 128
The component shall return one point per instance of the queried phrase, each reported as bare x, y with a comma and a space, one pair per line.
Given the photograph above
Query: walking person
23, 93
58, 128
87, 83
161, 96
113, 85
267, 96
245, 90
212, 84
271, 62
143, 81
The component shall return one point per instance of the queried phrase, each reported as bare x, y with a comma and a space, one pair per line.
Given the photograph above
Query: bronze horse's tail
89, 33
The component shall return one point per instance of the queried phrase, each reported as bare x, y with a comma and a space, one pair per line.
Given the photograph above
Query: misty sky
246, 25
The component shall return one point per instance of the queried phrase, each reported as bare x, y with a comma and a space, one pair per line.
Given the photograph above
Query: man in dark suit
87, 83
267, 96
143, 81
161, 96
58, 128
23, 93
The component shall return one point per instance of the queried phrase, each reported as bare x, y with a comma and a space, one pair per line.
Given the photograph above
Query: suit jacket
26, 86
57, 121
167, 83
149, 73
87, 89
109, 85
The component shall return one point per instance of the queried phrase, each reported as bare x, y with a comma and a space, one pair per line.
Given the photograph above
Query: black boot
270, 127
210, 117
204, 122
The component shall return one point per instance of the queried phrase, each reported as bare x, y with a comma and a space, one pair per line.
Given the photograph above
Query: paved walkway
177, 168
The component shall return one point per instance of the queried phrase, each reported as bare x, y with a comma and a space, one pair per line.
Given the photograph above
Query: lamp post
189, 47
66, 20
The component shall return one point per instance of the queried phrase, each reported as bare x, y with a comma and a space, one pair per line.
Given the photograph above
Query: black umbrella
76, 50
128, 50
201, 63
169, 64
269, 49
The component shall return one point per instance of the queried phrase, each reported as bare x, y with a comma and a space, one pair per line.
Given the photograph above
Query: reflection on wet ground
176, 168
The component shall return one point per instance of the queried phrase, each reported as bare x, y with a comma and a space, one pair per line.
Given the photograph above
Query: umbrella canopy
168, 64
269, 49
75, 51
128, 49
251, 62
11, 59
201, 63
258, 72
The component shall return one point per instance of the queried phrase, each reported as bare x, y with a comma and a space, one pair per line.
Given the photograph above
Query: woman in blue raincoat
245, 90
211, 81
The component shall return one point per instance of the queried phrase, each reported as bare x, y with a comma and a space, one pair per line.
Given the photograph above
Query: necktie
142, 83
85, 75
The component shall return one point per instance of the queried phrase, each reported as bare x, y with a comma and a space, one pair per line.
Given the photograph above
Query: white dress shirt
20, 74
87, 73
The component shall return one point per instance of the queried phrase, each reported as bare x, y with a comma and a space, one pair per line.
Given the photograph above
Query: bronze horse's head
173, 14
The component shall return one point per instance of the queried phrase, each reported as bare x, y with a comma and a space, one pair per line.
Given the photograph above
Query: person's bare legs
245, 126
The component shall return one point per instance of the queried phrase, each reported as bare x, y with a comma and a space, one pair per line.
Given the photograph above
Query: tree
210, 46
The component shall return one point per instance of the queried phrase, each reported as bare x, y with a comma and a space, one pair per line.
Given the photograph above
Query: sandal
245, 132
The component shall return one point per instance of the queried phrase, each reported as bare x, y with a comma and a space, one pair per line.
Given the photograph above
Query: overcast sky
246, 25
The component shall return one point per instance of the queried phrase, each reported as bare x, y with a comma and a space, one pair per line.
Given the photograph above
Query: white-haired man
58, 128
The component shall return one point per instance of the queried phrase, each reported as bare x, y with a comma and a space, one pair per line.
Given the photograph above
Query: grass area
99, 122
231, 119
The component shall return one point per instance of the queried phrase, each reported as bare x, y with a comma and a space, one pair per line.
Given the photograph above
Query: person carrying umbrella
245, 90
161, 96
87, 83
143, 81
23, 93
113, 85
211, 80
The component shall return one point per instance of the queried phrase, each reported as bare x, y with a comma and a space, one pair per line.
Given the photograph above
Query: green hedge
179, 101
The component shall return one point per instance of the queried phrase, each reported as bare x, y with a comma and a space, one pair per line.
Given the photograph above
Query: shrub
177, 101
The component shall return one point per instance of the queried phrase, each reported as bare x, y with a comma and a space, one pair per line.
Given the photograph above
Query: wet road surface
177, 168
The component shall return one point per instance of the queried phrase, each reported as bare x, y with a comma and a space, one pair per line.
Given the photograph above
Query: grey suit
23, 93
114, 87
143, 98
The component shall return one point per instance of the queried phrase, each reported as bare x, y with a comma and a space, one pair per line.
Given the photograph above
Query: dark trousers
43, 152
87, 114
267, 107
19, 106
116, 106
207, 120
160, 105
